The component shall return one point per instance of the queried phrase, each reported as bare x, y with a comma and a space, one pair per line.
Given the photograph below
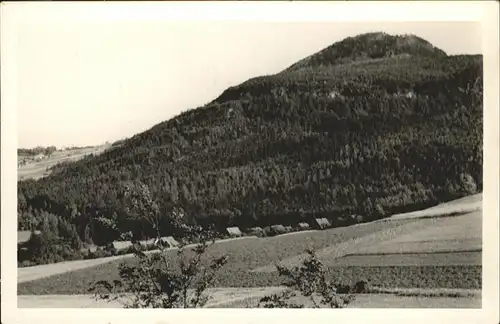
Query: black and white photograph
197, 163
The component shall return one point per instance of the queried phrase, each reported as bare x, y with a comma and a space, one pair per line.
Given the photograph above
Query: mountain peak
372, 45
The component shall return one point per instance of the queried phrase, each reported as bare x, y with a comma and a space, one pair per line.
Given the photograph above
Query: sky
87, 82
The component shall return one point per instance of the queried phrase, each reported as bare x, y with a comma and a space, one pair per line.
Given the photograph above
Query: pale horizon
85, 83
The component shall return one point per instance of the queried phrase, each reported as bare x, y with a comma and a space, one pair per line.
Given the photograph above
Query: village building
322, 223
278, 229
303, 226
256, 231
122, 245
233, 231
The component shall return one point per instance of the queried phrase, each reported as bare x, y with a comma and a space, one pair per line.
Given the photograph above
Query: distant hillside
374, 125
370, 46
39, 162
21, 152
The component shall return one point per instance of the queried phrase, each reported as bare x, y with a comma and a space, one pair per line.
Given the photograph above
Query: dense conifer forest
372, 125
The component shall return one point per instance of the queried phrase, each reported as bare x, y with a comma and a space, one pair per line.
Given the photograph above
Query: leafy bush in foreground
310, 281
153, 283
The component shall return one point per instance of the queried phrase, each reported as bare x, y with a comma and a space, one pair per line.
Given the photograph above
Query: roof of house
267, 229
256, 231
233, 230
170, 241
323, 222
148, 242
121, 245
278, 229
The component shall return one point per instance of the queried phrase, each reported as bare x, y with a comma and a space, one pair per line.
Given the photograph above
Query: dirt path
47, 270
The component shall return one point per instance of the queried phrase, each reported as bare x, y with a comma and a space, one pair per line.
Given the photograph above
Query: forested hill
373, 125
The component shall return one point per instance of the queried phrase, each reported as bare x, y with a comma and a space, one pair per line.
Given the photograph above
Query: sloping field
439, 246
458, 233
451, 234
408, 259
467, 204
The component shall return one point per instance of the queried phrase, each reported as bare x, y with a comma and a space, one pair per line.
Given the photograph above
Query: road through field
46, 270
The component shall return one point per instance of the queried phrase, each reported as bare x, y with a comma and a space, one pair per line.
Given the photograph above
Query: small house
90, 249
256, 231
39, 157
278, 229
168, 241
303, 226
148, 243
233, 231
122, 245
322, 223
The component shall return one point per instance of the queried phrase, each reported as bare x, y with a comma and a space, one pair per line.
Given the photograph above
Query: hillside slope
375, 124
